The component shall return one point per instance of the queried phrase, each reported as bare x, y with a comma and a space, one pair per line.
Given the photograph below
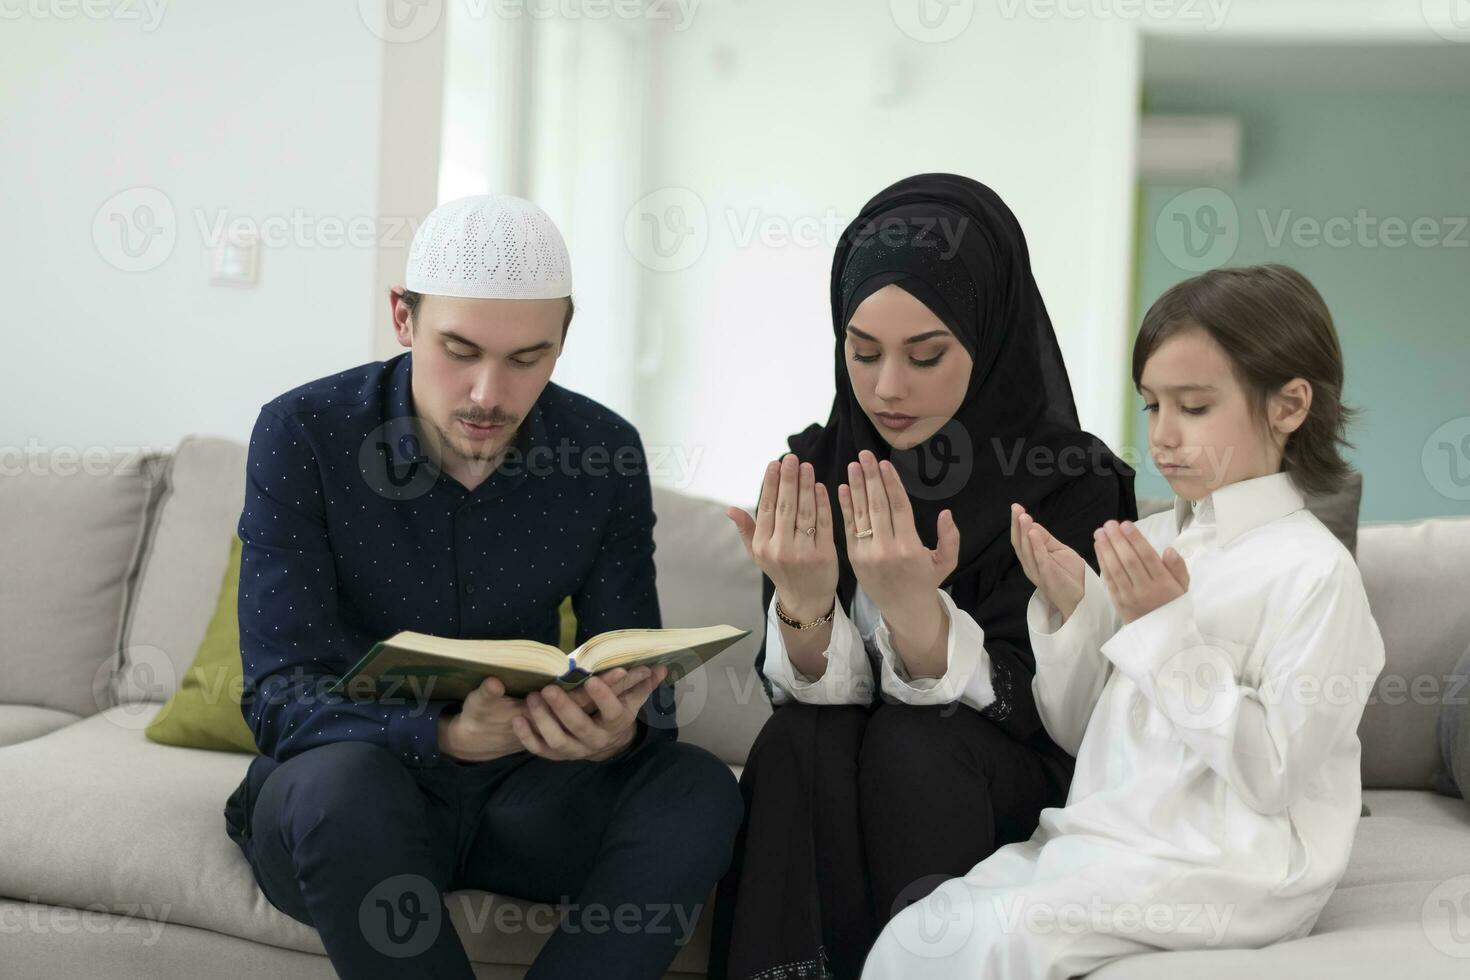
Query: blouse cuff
848, 678
966, 676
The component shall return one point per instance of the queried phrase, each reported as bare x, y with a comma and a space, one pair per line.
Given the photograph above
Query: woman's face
909, 372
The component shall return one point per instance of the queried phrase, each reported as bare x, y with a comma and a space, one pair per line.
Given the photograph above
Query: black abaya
854, 811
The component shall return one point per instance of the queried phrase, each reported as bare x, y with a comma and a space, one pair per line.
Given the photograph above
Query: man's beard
477, 461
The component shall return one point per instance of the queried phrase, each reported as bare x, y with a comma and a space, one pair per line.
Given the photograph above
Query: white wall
791, 116
263, 110
552, 109
787, 114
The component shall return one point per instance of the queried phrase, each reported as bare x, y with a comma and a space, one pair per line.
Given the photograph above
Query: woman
905, 745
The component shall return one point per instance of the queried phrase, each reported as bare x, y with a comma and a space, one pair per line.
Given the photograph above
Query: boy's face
478, 361
1202, 434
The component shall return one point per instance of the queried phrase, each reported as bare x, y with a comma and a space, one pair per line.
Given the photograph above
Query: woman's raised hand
790, 538
1052, 567
893, 565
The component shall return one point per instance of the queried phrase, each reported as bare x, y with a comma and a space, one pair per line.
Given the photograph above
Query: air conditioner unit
1198, 148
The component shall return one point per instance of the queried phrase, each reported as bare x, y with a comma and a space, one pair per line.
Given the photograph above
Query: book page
621, 648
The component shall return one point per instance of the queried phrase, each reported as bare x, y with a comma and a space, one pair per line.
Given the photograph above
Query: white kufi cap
493, 246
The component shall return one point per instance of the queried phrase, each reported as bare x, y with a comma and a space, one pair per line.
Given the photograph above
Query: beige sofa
113, 856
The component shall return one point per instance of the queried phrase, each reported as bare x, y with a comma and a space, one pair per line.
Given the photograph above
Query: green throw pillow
205, 711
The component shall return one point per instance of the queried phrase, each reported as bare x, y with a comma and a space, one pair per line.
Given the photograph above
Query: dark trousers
347, 839
853, 813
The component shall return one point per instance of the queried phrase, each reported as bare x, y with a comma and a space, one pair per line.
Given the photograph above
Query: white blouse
848, 678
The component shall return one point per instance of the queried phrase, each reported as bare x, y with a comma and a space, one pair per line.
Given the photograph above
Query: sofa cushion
1454, 732
1420, 807
180, 565
70, 525
1411, 572
705, 578
1374, 949
22, 722
97, 813
75, 943
1384, 919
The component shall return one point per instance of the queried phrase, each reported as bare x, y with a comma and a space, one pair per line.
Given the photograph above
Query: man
455, 490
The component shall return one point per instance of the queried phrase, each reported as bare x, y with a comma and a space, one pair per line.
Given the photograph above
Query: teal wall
1403, 313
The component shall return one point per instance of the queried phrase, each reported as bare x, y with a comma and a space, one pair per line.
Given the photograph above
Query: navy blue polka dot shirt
350, 533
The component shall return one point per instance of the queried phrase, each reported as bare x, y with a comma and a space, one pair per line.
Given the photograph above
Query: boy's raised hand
1052, 567
1137, 578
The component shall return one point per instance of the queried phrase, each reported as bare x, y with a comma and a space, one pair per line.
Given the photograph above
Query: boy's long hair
1274, 326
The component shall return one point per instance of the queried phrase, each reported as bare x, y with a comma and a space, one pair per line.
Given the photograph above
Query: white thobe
1217, 786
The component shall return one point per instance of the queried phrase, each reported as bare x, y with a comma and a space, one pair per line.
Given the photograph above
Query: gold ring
810, 532
868, 533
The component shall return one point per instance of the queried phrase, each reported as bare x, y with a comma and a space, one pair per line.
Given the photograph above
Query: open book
413, 665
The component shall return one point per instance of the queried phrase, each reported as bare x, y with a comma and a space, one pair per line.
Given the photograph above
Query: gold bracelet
796, 625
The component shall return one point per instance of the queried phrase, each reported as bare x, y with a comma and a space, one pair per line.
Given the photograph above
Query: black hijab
953, 244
